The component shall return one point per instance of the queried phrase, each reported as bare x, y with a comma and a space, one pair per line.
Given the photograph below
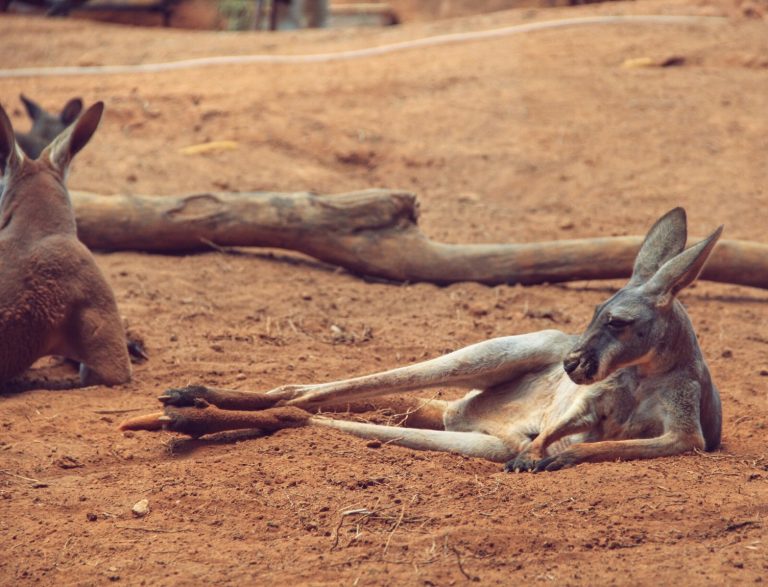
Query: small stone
140, 508
763, 372
673, 61
727, 354
91, 517
635, 62
373, 444
68, 462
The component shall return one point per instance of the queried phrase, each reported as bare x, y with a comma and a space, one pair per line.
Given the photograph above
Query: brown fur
53, 297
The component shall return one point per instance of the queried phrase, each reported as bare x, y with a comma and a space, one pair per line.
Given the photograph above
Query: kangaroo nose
570, 363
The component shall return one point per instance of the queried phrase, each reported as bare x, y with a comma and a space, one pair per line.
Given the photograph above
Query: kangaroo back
53, 299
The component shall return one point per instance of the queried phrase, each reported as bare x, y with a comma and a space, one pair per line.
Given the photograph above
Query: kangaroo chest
617, 408
626, 407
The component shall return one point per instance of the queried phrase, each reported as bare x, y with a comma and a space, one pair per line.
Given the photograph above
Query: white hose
351, 54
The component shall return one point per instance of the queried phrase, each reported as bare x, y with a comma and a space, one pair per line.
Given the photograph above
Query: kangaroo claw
520, 464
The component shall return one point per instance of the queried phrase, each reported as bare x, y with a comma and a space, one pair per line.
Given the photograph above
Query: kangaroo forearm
550, 437
643, 448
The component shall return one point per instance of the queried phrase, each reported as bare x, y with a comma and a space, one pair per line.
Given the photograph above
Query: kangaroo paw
525, 461
522, 463
556, 462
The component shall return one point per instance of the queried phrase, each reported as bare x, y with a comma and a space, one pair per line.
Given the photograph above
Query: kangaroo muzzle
580, 367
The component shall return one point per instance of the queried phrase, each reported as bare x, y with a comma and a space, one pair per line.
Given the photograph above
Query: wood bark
373, 233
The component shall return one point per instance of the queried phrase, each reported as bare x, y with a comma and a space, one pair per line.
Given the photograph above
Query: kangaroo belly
512, 409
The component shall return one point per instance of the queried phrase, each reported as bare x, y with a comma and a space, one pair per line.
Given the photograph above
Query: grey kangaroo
53, 298
45, 126
633, 385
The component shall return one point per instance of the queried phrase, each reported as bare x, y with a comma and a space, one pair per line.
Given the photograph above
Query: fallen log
373, 233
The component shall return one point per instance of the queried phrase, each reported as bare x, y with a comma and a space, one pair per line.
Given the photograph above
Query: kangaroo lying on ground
45, 126
53, 298
633, 385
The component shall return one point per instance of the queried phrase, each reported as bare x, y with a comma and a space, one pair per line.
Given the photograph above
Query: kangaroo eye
618, 323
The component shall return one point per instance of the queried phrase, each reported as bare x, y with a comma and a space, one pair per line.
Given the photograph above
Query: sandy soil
517, 139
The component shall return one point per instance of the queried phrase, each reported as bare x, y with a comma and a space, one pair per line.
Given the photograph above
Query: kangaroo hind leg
201, 420
470, 444
478, 366
410, 411
97, 338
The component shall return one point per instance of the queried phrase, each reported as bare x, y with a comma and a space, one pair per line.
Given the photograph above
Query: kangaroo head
632, 326
66, 145
40, 182
46, 126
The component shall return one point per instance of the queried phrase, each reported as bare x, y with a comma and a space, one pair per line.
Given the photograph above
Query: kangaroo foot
228, 399
146, 422
199, 421
136, 350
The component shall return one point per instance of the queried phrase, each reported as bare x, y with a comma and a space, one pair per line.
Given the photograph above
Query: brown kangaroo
633, 385
45, 126
53, 297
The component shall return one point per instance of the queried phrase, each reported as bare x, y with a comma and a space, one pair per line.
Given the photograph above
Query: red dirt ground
515, 139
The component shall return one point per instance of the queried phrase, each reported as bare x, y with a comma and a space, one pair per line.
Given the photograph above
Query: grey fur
633, 385
45, 126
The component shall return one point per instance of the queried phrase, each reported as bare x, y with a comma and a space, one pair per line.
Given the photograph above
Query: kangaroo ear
64, 147
665, 240
71, 111
682, 270
11, 156
33, 109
